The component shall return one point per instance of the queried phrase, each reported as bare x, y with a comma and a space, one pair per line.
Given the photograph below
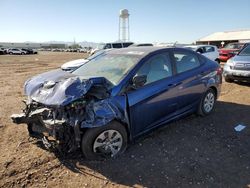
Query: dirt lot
192, 152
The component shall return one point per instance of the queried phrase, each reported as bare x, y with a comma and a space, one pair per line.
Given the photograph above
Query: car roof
140, 51
199, 45
144, 50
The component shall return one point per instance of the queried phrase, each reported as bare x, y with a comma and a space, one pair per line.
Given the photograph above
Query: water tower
124, 25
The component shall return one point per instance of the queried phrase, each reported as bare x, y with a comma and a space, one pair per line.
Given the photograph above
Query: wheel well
215, 90
83, 130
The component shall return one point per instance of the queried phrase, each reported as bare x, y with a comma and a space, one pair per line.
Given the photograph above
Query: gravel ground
191, 152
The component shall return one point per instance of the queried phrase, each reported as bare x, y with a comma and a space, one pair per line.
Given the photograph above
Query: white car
73, 65
210, 51
16, 51
104, 46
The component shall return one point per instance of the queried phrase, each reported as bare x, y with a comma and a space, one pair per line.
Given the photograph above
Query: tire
11, 53
207, 103
93, 146
229, 80
22, 53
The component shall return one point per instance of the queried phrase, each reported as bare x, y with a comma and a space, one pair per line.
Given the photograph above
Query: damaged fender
102, 112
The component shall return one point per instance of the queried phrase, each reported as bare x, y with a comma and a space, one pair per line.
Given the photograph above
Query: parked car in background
82, 50
141, 44
16, 51
3, 51
74, 64
111, 45
238, 67
99, 107
230, 50
29, 51
209, 51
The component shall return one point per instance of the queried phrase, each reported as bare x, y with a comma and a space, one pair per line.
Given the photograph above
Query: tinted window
156, 68
117, 45
185, 61
126, 44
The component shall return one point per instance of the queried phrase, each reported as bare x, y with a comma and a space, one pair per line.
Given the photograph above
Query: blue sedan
118, 96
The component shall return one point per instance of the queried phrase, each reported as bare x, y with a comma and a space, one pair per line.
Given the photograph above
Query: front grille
242, 66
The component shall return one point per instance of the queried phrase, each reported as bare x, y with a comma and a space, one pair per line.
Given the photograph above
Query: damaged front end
60, 106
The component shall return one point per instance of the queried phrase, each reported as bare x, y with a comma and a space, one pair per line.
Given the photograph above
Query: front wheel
104, 142
207, 103
229, 80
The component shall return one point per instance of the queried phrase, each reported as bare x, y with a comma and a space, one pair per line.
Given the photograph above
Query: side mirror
139, 81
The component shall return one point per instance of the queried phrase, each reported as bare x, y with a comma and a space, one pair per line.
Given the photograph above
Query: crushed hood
59, 88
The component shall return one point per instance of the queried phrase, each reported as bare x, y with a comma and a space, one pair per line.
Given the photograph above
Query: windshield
245, 51
233, 46
96, 54
113, 67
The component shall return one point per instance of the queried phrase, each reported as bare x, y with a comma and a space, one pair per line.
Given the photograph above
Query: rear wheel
104, 142
207, 103
11, 53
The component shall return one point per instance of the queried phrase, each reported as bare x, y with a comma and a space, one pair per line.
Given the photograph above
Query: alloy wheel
108, 142
209, 102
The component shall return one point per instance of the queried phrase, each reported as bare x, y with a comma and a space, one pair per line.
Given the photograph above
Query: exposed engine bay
57, 111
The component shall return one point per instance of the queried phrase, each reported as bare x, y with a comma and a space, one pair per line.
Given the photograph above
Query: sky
184, 21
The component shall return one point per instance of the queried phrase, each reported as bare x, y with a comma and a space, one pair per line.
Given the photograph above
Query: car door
191, 76
156, 99
16, 51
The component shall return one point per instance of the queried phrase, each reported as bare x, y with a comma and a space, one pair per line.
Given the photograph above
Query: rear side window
185, 61
117, 45
156, 68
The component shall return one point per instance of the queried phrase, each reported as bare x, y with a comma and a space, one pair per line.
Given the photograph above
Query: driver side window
156, 68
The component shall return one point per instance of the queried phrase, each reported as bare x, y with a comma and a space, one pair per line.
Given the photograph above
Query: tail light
219, 71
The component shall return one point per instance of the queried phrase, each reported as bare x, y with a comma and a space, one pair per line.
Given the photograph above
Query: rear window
234, 46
